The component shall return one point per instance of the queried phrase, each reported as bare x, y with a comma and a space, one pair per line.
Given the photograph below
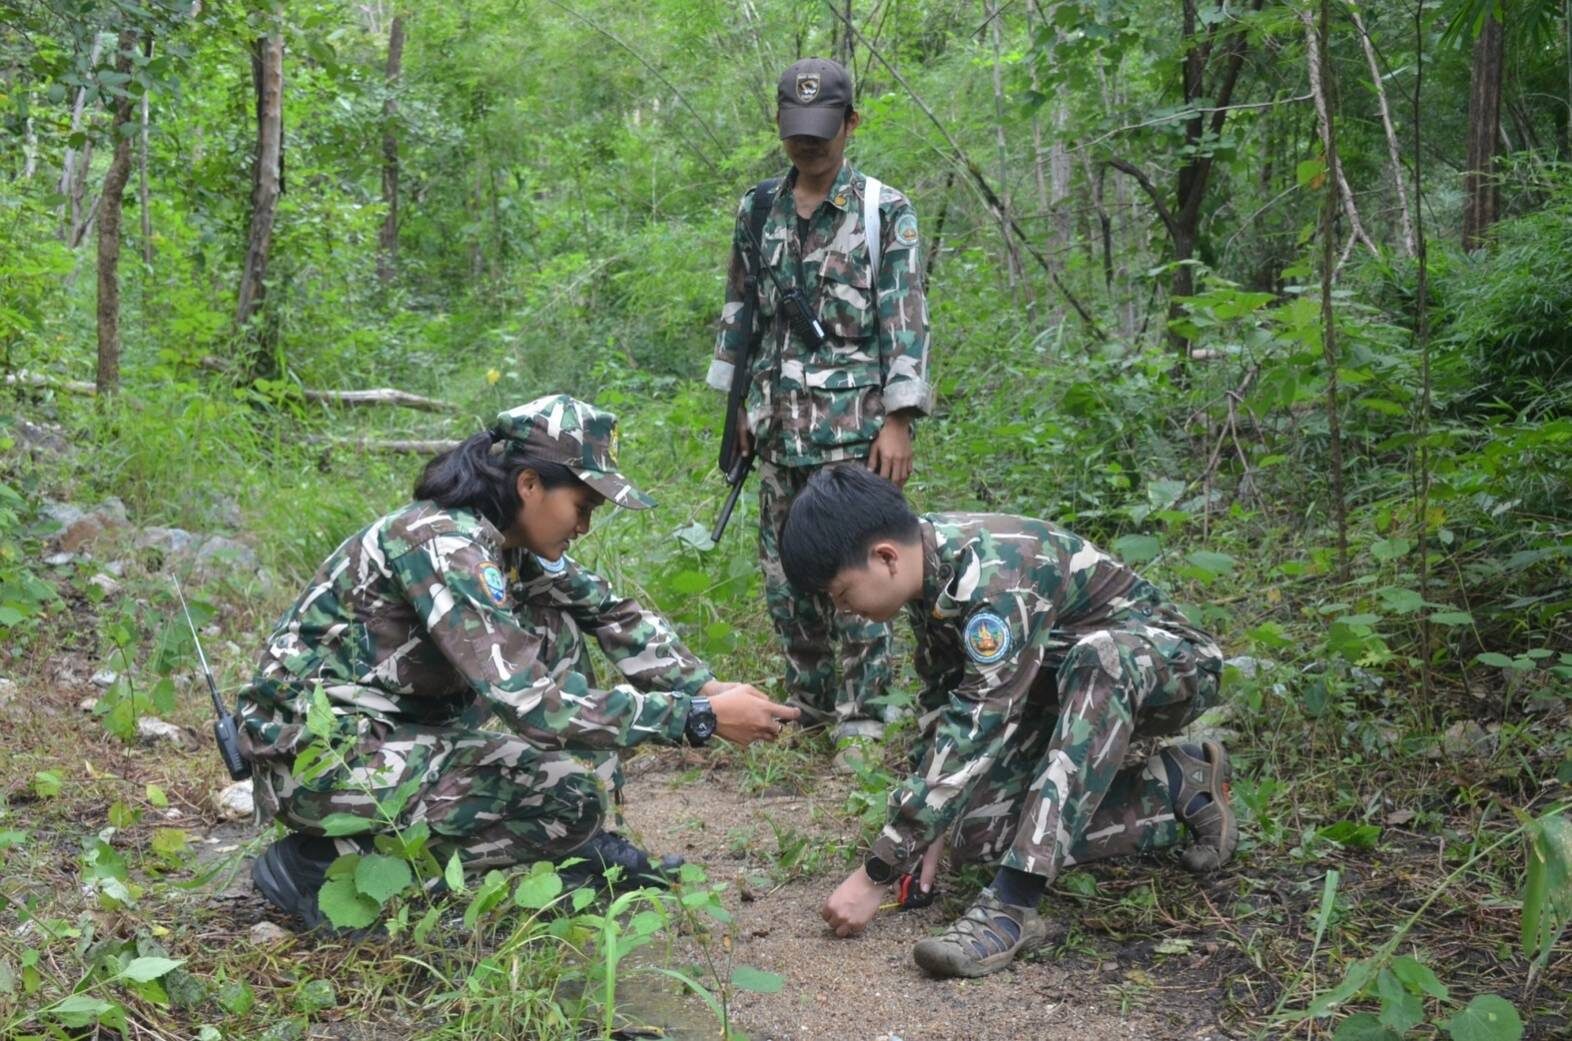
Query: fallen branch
371, 444
23, 378
380, 396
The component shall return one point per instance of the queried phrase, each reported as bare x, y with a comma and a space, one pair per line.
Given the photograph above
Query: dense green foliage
568, 174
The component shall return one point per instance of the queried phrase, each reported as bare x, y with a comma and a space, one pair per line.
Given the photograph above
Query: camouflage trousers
809, 626
1060, 794
493, 797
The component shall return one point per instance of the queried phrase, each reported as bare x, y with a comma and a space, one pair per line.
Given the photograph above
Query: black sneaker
289, 875
606, 850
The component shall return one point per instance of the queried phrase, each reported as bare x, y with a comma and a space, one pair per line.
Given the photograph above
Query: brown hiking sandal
979, 941
1212, 825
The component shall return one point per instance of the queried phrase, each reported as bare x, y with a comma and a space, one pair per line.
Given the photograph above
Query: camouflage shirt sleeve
731, 336
641, 644
457, 587
903, 311
970, 734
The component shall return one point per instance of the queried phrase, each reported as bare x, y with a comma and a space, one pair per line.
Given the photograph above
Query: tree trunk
387, 240
108, 379
1321, 60
1480, 194
1321, 89
267, 176
142, 188
1393, 152
1012, 258
74, 164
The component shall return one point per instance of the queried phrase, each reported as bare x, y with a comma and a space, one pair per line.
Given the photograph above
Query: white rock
62, 513
116, 568
87, 703
7, 690
104, 678
172, 814
266, 933
235, 802
106, 583
1247, 665
152, 730
174, 541
59, 559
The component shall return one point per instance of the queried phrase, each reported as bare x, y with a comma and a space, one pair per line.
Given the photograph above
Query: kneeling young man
1041, 657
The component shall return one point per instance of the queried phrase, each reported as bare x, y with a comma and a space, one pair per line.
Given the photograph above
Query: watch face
704, 727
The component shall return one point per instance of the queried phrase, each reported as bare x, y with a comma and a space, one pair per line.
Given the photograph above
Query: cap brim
810, 120
616, 488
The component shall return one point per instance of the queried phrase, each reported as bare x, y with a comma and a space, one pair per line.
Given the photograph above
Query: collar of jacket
938, 569
843, 190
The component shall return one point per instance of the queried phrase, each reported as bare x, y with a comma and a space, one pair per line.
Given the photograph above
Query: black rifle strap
742, 366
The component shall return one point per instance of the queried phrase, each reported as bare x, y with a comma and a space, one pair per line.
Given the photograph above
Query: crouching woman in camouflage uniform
448, 639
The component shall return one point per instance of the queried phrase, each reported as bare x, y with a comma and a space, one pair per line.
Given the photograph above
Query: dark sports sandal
289, 875
1202, 803
980, 941
606, 850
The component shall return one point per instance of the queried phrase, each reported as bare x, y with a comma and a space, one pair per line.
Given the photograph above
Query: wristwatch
879, 872
701, 723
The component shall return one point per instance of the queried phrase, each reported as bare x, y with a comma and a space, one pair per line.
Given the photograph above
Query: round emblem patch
496, 585
807, 87
987, 638
906, 229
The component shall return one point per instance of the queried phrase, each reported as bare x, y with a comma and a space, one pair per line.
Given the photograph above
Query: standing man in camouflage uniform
447, 641
855, 398
1041, 658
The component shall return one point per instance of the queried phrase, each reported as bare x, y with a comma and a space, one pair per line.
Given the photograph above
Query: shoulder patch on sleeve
906, 229
987, 638
492, 578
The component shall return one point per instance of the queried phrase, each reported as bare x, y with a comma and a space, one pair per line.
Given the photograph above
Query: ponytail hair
476, 476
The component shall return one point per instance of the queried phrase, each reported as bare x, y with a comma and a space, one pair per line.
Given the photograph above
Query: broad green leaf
1136, 549
316, 995
690, 583
80, 1010
1418, 977
453, 874
156, 796
381, 877
344, 905
1363, 1026
236, 997
143, 969
537, 891
1400, 1009
1499, 661
1452, 618
746, 977
1352, 834
1212, 562
1487, 1018
1400, 601
46, 784
336, 824
1355, 978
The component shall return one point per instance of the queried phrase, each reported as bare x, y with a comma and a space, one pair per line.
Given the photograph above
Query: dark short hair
475, 477
838, 515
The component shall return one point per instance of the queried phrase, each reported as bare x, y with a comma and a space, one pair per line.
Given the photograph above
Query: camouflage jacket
423, 618
811, 407
1003, 599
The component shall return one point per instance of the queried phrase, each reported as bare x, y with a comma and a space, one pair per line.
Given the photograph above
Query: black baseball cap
812, 98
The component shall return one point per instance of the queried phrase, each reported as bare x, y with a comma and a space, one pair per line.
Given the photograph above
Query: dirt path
868, 987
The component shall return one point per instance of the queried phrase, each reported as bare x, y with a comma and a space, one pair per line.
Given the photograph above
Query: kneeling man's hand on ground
855, 901
745, 714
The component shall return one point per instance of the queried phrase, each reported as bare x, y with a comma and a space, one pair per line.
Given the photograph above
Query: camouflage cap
561, 429
812, 97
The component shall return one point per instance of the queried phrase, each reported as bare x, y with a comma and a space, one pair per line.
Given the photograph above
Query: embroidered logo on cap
987, 638
807, 87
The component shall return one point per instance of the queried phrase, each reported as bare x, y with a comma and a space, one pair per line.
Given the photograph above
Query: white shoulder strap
870, 224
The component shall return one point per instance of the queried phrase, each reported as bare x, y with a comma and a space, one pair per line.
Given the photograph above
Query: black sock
1018, 887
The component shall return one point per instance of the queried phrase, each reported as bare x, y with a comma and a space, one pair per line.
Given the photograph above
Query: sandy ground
868, 987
